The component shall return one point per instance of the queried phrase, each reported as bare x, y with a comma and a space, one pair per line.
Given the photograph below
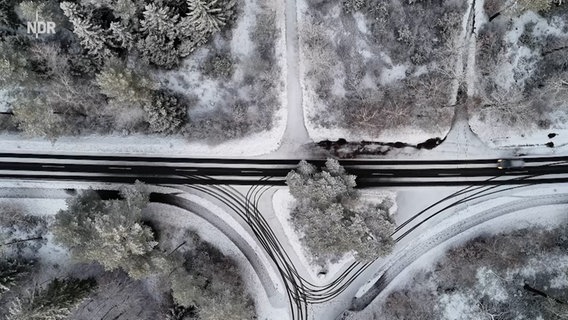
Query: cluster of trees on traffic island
517, 274
333, 219
120, 269
100, 73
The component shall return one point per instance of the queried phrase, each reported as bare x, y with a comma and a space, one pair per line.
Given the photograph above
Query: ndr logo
36, 27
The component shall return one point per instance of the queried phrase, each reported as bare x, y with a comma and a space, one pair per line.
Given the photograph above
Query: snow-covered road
296, 134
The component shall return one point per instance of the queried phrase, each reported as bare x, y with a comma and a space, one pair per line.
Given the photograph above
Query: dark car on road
504, 164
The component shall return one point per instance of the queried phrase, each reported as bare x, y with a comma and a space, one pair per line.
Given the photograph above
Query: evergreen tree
55, 302
165, 114
206, 16
159, 34
93, 38
110, 232
121, 36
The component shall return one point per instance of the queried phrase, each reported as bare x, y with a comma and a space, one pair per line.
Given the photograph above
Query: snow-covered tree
211, 283
110, 232
124, 85
159, 20
121, 35
13, 66
55, 302
36, 118
158, 36
165, 113
93, 38
12, 270
332, 218
208, 16
27, 11
7, 13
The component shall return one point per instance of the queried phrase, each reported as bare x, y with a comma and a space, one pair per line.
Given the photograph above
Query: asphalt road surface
206, 171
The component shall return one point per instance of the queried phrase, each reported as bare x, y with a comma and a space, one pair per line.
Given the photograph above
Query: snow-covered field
256, 144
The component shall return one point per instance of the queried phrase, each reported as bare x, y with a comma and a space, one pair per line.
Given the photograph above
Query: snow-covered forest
521, 73
517, 274
98, 258
380, 71
205, 70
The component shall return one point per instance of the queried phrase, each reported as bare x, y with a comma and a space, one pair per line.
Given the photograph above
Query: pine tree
93, 37
165, 114
110, 232
159, 21
206, 16
121, 36
159, 33
55, 302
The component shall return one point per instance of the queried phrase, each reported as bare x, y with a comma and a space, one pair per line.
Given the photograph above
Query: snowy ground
256, 144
